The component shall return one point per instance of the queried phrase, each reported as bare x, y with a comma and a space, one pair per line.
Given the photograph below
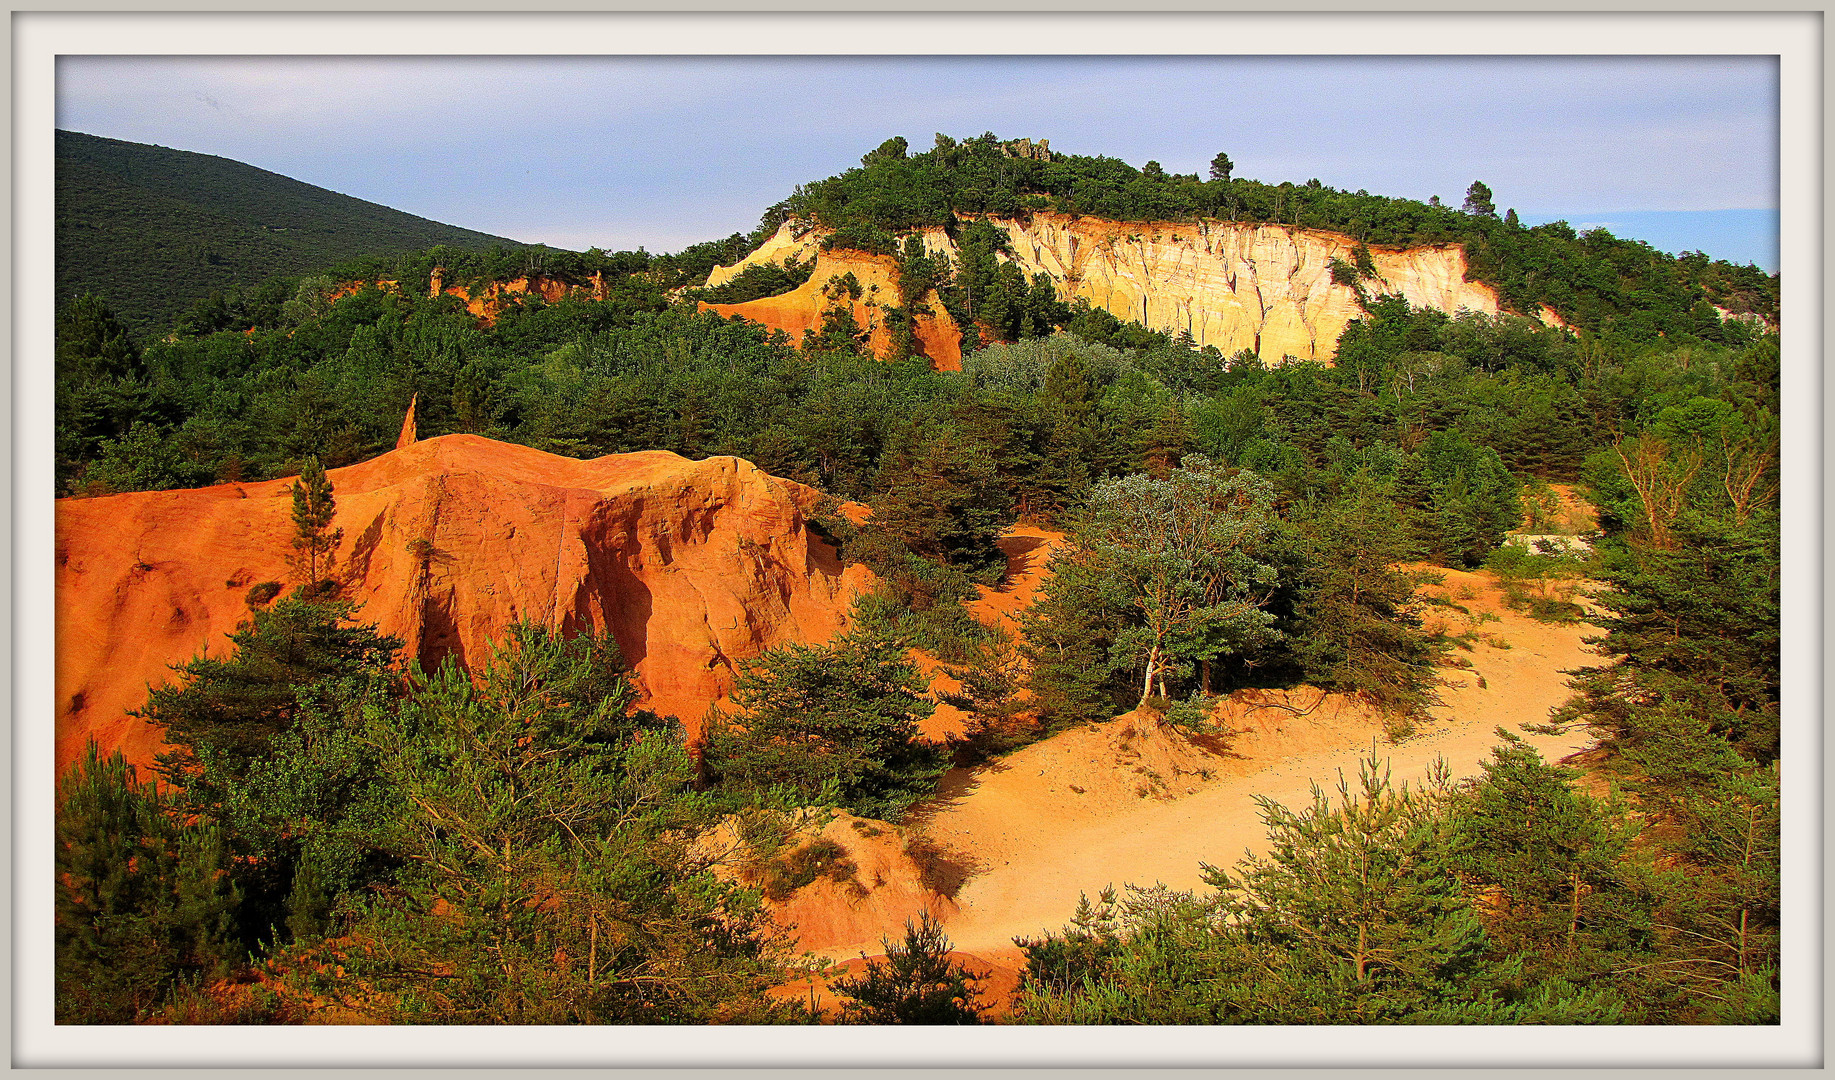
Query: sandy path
1036, 885
1067, 817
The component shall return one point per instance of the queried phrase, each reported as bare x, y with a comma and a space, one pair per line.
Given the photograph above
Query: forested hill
1594, 280
153, 229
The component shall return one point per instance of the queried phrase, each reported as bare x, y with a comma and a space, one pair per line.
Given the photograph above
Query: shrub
143, 905
1540, 583
941, 870
918, 983
818, 858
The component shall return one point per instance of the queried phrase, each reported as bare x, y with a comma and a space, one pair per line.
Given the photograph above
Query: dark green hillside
153, 229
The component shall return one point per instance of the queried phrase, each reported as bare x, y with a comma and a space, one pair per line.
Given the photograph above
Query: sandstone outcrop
1265, 288
408, 431
939, 339
488, 300
694, 566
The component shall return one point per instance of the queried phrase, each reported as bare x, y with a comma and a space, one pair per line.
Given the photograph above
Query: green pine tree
1358, 620
1557, 865
314, 507
143, 902
233, 706
836, 724
545, 831
917, 984
264, 743
1353, 910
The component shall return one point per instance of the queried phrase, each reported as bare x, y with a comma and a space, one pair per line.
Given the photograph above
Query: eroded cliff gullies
694, 566
939, 339
1266, 288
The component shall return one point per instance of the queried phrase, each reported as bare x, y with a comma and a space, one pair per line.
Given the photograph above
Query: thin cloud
699, 146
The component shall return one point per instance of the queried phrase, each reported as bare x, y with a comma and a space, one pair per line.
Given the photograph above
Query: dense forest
322, 807
155, 229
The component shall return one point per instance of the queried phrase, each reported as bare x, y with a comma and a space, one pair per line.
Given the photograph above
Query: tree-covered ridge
154, 229
1416, 444
1595, 281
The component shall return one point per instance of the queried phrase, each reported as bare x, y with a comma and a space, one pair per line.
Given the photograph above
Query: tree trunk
1743, 913
1153, 662
1573, 922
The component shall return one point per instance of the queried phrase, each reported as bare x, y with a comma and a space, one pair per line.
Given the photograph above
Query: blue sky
663, 152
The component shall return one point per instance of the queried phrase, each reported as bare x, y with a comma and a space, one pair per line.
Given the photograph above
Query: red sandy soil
1575, 516
694, 566
883, 887
1028, 549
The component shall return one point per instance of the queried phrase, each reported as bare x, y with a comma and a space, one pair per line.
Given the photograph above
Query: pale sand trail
1041, 844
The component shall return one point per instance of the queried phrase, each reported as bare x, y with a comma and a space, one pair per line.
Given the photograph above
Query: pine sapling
314, 507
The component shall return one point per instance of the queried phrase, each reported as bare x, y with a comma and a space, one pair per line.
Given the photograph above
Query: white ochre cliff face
1265, 288
792, 240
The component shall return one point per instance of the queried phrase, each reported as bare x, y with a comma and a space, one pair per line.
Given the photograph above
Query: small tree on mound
918, 983
313, 508
1182, 553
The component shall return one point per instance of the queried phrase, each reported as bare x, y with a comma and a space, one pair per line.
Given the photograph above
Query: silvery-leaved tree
1183, 552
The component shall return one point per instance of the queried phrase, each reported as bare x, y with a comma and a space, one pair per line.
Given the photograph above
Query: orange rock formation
939, 339
694, 566
408, 433
1265, 288
489, 300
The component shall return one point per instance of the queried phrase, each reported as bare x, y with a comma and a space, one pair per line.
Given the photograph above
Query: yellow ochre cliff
1265, 288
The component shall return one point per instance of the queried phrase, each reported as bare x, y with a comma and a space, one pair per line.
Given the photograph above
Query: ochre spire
407, 425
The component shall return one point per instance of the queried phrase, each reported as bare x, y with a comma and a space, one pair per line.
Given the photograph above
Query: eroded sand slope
1128, 801
694, 567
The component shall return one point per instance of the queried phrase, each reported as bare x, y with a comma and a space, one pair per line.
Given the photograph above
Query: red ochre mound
694, 566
